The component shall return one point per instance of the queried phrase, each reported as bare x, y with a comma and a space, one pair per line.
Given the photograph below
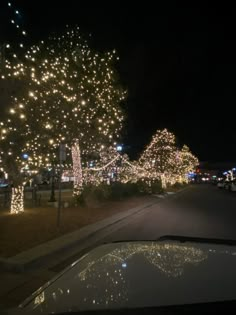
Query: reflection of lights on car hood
138, 274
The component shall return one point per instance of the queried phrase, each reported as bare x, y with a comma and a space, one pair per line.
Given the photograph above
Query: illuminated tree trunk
15, 177
17, 199
163, 181
77, 169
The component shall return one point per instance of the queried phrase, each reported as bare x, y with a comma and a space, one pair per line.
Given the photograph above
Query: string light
68, 89
16, 20
77, 169
164, 161
17, 200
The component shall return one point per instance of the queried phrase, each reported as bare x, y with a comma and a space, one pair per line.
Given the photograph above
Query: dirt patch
38, 225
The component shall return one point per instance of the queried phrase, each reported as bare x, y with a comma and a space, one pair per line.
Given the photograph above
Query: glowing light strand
17, 200
77, 169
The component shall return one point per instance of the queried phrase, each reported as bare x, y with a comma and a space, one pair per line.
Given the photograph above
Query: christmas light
164, 161
14, 13
17, 199
68, 90
77, 169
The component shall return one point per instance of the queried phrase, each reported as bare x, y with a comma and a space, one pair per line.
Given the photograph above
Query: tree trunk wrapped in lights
17, 199
16, 178
163, 181
77, 169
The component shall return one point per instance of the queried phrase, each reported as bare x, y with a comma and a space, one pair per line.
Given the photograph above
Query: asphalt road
200, 211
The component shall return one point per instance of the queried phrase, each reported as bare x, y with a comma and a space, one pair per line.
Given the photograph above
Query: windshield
112, 130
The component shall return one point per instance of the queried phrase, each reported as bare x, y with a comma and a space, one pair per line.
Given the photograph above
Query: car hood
140, 274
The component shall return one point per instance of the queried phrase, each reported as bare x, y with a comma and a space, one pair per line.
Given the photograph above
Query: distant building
216, 167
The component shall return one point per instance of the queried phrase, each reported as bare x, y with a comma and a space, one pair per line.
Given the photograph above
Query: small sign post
62, 158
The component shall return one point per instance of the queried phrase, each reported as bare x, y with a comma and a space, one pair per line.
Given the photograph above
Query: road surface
200, 211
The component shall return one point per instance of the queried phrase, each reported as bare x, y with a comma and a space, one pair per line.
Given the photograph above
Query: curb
24, 260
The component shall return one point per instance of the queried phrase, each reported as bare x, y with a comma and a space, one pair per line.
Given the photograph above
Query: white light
17, 200
77, 169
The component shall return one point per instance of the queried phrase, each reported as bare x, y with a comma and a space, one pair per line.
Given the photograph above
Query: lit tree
130, 171
159, 158
71, 96
111, 165
13, 39
11, 158
104, 166
186, 163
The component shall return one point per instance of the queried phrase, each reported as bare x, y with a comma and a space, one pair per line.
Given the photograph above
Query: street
198, 211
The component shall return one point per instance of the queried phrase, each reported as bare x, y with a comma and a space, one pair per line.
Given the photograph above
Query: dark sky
177, 61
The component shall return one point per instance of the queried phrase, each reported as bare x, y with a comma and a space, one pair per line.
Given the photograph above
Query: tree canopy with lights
71, 95
163, 160
187, 161
158, 159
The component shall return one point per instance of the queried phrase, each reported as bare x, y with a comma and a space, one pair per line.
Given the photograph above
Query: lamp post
119, 149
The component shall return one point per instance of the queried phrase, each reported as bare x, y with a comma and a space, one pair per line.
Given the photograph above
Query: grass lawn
38, 225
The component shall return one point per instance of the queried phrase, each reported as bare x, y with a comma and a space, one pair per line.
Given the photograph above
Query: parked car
232, 186
174, 275
227, 184
221, 184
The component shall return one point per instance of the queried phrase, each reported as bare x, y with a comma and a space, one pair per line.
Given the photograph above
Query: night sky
177, 62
